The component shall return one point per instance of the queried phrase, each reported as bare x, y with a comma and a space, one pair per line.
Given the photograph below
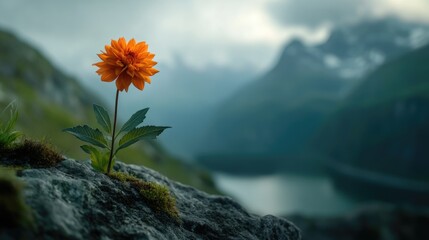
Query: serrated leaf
102, 118
88, 134
133, 136
135, 120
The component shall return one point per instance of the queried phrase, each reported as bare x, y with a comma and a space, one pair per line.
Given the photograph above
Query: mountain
277, 114
354, 50
189, 116
383, 125
46, 98
49, 101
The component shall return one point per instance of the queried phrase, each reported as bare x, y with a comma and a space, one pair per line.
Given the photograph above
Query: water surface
286, 194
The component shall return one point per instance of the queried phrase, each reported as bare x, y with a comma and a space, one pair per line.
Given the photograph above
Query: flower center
130, 57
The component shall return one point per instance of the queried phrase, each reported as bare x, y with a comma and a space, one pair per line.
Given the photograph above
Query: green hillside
49, 101
384, 124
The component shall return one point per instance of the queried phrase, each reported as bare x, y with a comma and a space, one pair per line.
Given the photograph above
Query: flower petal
131, 43
123, 82
108, 77
138, 83
122, 43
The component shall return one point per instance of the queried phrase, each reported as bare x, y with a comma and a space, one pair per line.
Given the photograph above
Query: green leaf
14, 135
7, 133
99, 160
89, 135
135, 120
12, 121
103, 118
10, 124
89, 149
133, 136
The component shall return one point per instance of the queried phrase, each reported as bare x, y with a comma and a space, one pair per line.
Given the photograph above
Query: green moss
157, 196
13, 210
30, 153
123, 177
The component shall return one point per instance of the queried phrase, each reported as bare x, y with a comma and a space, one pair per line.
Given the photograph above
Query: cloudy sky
243, 34
215, 40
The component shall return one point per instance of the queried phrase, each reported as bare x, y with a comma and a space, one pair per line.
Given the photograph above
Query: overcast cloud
203, 33
321, 12
317, 13
240, 34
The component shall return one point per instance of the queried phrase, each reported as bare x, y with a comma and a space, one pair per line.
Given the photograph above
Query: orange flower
127, 63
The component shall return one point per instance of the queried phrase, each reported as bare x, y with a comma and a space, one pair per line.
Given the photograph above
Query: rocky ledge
72, 201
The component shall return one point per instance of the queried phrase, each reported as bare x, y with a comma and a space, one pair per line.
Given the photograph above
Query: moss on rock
157, 196
30, 153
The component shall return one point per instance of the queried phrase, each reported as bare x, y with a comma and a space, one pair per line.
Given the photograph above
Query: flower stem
113, 133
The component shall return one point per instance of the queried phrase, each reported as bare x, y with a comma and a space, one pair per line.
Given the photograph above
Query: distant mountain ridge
352, 50
384, 123
280, 113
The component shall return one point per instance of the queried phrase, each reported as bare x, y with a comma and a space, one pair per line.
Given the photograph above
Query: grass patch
30, 153
157, 196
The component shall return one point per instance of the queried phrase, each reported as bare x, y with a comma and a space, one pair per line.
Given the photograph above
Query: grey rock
72, 201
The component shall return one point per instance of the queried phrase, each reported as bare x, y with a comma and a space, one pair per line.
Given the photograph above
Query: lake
286, 194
